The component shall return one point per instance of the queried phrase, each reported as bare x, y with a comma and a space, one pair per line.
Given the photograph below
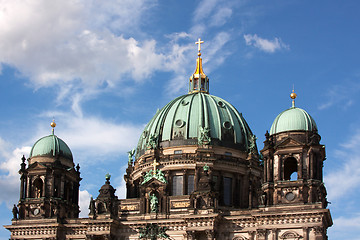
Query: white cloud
342, 181
84, 201
9, 178
76, 44
92, 136
345, 228
263, 44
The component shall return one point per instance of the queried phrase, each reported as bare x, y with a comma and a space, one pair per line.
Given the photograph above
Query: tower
50, 181
293, 163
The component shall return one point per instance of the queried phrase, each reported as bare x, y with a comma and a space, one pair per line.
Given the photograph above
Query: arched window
38, 188
177, 185
290, 169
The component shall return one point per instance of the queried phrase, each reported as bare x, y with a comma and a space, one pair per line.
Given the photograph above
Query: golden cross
199, 42
154, 165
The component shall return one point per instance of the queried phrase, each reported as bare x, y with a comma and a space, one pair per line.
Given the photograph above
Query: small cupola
293, 119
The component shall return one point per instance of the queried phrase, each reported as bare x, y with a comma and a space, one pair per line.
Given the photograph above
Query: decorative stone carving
204, 136
291, 235
153, 231
159, 175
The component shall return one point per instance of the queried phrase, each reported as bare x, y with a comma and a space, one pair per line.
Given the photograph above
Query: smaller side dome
51, 146
293, 119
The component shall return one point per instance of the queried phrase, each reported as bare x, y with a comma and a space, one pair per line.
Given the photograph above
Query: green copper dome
293, 119
196, 118
51, 146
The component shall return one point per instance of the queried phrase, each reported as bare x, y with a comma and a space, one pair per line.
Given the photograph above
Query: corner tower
50, 182
293, 164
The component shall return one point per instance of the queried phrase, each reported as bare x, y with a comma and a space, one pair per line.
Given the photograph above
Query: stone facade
257, 210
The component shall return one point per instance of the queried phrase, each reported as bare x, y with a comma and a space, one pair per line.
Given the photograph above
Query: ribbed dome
185, 118
51, 146
293, 119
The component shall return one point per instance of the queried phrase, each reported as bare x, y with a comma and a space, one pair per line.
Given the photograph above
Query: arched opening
290, 169
38, 188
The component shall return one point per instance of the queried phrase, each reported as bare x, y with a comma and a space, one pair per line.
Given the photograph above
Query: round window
179, 123
290, 196
184, 102
227, 125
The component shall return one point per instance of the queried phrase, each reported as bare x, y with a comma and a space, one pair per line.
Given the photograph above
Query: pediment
37, 166
289, 142
154, 181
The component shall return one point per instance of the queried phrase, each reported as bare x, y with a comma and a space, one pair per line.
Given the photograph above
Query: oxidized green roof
51, 146
293, 119
184, 119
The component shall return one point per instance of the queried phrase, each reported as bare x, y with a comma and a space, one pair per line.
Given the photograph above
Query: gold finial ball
293, 95
53, 124
199, 54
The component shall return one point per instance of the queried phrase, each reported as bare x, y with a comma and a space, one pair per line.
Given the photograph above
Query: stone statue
204, 136
15, 213
159, 175
148, 176
252, 144
92, 206
263, 199
154, 203
153, 140
131, 154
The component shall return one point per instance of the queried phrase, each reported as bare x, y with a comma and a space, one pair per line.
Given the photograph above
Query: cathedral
196, 173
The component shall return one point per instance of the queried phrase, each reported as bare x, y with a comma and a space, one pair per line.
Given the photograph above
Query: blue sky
103, 68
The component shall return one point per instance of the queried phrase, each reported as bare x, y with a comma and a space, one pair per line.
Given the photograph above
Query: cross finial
199, 42
154, 164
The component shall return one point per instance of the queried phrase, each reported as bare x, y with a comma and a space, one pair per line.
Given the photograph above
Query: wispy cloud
269, 46
340, 95
343, 180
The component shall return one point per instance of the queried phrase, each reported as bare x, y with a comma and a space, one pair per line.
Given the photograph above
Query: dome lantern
199, 82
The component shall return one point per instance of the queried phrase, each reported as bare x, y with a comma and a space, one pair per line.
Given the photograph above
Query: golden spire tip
293, 96
53, 125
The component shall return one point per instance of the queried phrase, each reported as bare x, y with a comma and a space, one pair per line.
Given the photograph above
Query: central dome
186, 119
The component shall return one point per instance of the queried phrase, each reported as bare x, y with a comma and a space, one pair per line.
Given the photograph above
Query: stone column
305, 233
22, 185
251, 235
274, 233
44, 186
318, 233
210, 234
28, 187
189, 235
261, 234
